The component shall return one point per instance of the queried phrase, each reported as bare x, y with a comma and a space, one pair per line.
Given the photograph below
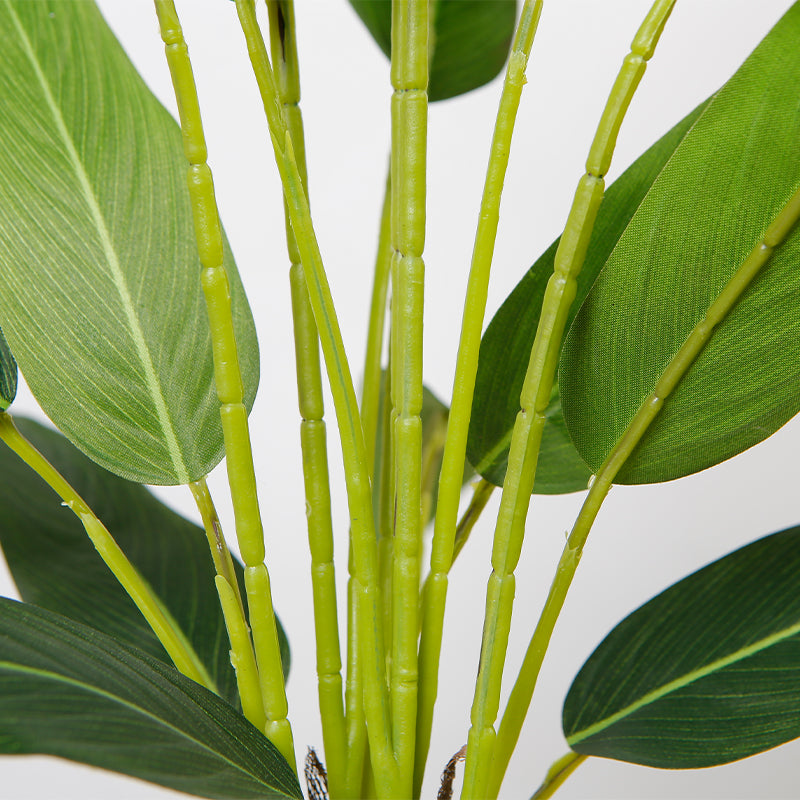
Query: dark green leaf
67, 690
55, 565
8, 374
471, 40
705, 673
100, 294
708, 208
506, 345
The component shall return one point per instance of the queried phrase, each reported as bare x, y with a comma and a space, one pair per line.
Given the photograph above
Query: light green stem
534, 399
362, 524
230, 598
409, 75
521, 694
283, 46
558, 773
452, 473
241, 475
158, 618
371, 394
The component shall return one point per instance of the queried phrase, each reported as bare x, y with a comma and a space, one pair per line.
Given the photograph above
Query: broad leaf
8, 374
709, 207
55, 565
67, 690
506, 345
100, 293
471, 39
705, 673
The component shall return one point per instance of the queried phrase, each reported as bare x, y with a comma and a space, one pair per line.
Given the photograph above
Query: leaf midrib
684, 680
56, 677
112, 260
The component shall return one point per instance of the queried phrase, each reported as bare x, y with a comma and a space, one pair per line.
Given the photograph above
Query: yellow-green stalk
522, 692
362, 523
534, 399
283, 47
452, 472
241, 474
409, 76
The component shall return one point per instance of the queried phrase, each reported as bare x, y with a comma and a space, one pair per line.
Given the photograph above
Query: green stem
534, 399
241, 475
356, 730
371, 394
521, 694
165, 628
362, 523
283, 46
230, 598
558, 773
409, 75
452, 473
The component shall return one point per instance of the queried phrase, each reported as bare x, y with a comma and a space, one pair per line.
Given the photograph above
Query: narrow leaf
470, 39
67, 690
506, 345
710, 205
8, 374
705, 673
55, 565
100, 293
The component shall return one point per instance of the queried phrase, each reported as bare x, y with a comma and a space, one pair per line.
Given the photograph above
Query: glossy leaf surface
55, 565
8, 374
100, 294
708, 208
67, 690
471, 40
506, 345
705, 673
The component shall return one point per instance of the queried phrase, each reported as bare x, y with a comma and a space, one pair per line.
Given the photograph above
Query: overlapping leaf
55, 565
471, 39
8, 374
506, 345
67, 690
705, 673
100, 296
708, 208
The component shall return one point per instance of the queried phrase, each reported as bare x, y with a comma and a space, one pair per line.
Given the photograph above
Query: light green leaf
506, 345
67, 690
471, 40
56, 567
711, 204
100, 293
8, 374
705, 673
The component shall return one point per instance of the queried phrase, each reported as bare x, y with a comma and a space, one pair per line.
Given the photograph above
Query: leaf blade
705, 673
506, 344
99, 287
708, 208
8, 374
69, 691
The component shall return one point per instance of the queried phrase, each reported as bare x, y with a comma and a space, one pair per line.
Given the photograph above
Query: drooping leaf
506, 345
8, 374
705, 673
708, 208
100, 294
55, 566
471, 40
67, 690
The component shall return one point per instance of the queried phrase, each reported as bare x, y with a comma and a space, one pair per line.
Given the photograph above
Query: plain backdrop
645, 537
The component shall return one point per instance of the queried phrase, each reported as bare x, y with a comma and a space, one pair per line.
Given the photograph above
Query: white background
646, 537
